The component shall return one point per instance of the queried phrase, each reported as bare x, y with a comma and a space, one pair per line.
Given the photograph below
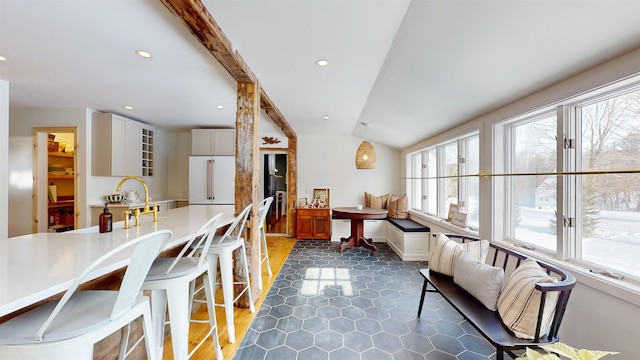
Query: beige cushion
375, 202
481, 280
519, 301
398, 207
446, 253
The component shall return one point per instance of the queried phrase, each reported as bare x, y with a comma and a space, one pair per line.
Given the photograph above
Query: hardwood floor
279, 227
279, 248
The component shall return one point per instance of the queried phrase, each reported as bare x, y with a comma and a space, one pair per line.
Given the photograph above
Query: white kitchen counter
36, 266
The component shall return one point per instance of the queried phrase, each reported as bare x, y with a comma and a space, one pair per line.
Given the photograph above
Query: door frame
262, 170
40, 198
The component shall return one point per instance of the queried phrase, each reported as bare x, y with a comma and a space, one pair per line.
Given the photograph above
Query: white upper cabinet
119, 147
213, 142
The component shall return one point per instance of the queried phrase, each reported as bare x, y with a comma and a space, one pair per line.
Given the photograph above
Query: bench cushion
481, 280
375, 202
398, 207
519, 302
408, 225
446, 253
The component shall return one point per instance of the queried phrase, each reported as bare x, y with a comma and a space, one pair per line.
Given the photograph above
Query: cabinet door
224, 141
213, 142
304, 226
201, 142
321, 226
133, 148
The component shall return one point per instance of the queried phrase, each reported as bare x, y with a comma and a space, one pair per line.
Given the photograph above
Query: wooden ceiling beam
275, 115
195, 16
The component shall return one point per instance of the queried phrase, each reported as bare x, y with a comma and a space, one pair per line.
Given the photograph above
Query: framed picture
452, 208
459, 219
302, 202
322, 195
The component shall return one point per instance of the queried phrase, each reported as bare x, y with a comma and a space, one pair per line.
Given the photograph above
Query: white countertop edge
17, 288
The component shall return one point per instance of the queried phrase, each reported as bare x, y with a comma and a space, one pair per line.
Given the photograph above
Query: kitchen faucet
137, 212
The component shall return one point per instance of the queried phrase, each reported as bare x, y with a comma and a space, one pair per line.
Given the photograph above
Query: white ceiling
410, 68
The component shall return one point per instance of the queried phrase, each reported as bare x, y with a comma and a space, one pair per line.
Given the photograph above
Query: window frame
569, 197
422, 177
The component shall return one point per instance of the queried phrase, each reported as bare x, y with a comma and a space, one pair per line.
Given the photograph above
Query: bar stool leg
226, 273
158, 309
178, 301
248, 284
210, 294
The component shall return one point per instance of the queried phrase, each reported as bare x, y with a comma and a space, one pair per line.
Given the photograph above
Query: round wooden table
357, 217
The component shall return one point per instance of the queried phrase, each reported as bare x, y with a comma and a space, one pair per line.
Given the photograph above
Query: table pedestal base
357, 239
350, 242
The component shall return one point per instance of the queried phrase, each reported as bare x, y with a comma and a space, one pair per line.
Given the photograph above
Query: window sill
442, 223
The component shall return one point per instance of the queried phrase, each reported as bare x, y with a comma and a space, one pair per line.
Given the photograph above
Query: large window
608, 205
445, 175
532, 200
590, 211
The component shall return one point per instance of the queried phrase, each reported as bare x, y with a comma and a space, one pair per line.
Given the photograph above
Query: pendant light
366, 155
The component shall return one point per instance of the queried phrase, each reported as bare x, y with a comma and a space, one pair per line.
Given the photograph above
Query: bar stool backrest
235, 229
147, 248
199, 243
263, 210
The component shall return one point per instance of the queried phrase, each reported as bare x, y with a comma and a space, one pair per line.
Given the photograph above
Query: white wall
329, 162
4, 158
179, 144
600, 315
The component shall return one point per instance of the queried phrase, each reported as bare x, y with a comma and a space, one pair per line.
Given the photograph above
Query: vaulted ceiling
411, 69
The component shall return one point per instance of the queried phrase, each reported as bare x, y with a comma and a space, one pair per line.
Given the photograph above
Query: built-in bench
407, 238
489, 323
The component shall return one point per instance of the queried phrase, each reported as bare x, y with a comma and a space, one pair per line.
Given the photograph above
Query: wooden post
247, 179
292, 184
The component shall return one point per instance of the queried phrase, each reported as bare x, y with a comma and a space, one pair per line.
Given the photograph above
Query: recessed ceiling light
128, 107
326, 117
144, 54
220, 107
2, 58
322, 62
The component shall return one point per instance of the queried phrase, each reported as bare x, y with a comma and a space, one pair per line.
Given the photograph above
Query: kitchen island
38, 266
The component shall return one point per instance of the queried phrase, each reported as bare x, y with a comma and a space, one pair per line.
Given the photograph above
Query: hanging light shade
365, 156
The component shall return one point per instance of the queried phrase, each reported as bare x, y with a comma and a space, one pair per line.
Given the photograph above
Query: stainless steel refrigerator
212, 180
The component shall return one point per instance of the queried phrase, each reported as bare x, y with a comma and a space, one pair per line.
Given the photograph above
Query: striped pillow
446, 253
519, 301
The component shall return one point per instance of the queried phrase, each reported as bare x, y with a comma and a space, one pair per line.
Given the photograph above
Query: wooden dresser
313, 223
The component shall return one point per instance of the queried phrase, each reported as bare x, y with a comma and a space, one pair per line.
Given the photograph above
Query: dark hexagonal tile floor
330, 305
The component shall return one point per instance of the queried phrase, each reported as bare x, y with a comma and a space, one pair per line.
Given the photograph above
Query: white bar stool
69, 327
221, 250
170, 283
264, 252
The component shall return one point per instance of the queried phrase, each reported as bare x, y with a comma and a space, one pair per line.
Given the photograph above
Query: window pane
416, 182
534, 196
432, 182
609, 215
450, 173
472, 163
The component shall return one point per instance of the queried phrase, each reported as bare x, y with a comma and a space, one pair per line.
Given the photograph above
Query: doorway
275, 186
55, 179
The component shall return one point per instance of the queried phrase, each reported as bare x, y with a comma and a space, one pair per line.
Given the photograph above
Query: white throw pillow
481, 280
446, 253
519, 302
